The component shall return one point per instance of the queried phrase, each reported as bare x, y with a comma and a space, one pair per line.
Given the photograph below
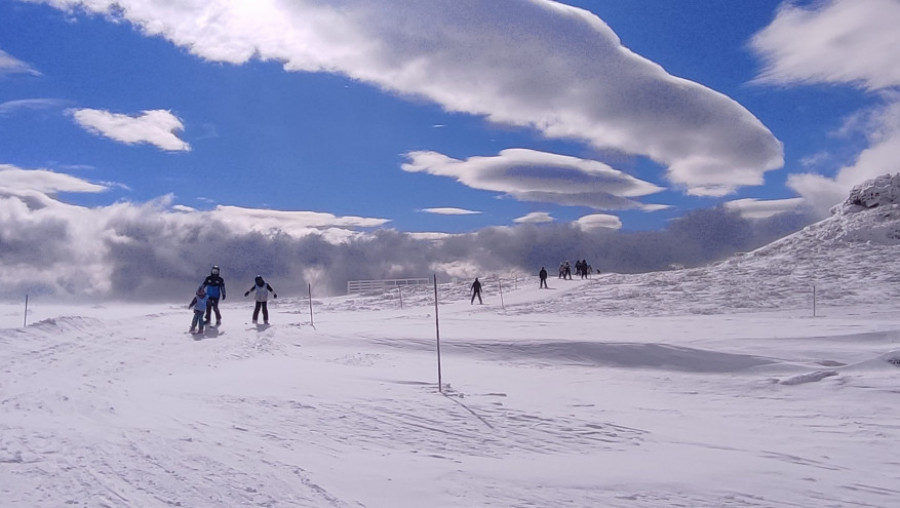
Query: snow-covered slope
619, 391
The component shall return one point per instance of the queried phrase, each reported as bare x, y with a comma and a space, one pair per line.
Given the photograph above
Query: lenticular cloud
529, 63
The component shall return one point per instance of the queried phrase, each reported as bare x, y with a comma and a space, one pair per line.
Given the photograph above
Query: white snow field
708, 387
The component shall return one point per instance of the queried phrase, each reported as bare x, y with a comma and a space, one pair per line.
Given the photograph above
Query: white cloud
449, 211
431, 236
836, 41
12, 65
752, 208
840, 42
597, 221
534, 218
295, 223
10, 107
14, 179
529, 175
156, 127
530, 63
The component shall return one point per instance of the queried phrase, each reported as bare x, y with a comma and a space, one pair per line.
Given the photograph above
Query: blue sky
442, 117
259, 136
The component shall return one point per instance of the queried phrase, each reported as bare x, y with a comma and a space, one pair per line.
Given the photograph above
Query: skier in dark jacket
543, 275
215, 288
262, 289
476, 291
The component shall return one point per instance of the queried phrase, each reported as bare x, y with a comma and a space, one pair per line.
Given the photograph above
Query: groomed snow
710, 387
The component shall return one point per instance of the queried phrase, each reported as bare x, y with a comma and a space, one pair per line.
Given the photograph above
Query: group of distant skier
582, 268
212, 289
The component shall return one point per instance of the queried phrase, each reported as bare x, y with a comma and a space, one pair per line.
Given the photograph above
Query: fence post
437, 333
500, 282
309, 287
814, 300
400, 294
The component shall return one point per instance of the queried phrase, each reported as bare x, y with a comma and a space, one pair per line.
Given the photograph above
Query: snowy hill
709, 387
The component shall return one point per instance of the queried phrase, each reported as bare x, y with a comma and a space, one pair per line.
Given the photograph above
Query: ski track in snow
712, 387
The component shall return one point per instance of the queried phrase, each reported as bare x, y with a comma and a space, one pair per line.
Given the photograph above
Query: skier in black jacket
476, 291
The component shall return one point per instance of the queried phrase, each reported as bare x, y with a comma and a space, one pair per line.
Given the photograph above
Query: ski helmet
215, 270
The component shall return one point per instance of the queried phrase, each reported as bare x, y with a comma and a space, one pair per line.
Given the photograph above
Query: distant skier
476, 291
262, 289
543, 275
199, 306
215, 288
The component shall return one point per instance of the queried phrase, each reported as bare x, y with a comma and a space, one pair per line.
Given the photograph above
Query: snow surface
712, 387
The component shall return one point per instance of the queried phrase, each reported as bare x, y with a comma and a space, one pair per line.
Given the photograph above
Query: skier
199, 306
262, 289
476, 291
543, 275
215, 287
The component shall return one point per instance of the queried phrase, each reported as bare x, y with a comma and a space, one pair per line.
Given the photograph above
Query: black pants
265, 308
478, 294
213, 305
544, 282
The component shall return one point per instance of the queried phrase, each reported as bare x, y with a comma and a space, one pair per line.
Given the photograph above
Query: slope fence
362, 286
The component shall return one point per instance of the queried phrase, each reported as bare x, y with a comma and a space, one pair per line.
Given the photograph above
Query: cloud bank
534, 64
529, 175
850, 42
156, 127
160, 251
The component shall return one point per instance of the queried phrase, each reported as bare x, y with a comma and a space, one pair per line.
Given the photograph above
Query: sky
345, 119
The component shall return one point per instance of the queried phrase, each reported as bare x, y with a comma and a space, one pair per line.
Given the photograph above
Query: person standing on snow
199, 304
543, 275
476, 291
215, 288
262, 289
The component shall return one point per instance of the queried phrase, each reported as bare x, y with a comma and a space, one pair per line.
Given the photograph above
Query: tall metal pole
437, 332
500, 282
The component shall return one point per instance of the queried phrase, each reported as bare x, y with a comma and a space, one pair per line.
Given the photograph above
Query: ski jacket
262, 291
215, 286
543, 274
199, 303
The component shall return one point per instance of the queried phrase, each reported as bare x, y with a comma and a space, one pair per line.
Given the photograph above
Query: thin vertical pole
500, 281
814, 300
437, 334
25, 322
400, 294
309, 287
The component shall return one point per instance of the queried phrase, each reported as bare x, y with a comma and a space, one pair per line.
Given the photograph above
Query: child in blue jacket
199, 306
